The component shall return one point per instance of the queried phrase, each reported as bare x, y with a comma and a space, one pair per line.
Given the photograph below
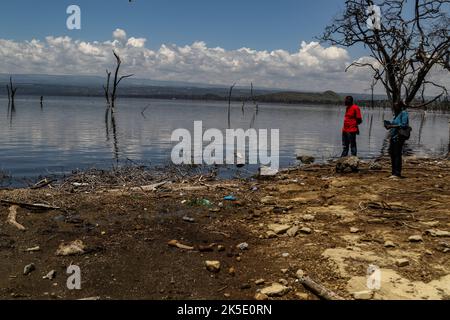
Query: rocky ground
185, 240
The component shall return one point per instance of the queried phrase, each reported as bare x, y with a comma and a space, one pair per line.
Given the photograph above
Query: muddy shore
152, 241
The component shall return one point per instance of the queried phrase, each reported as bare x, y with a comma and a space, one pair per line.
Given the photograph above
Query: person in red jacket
352, 120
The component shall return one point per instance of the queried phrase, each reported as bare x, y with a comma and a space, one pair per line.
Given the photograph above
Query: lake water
70, 133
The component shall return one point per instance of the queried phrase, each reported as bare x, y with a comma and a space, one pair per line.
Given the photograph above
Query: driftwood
12, 218
42, 184
30, 206
319, 289
152, 187
384, 206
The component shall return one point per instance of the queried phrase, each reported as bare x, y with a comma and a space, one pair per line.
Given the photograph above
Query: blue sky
270, 43
230, 24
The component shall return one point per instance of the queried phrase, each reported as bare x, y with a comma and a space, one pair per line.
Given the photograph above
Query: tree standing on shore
404, 49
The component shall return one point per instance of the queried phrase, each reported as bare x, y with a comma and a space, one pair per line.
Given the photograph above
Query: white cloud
312, 67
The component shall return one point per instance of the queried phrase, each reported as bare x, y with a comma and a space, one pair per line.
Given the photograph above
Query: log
42, 184
319, 289
31, 206
12, 218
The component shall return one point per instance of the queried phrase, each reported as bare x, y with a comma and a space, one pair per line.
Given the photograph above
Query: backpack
404, 133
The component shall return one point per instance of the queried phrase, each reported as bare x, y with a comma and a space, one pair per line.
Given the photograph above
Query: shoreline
152, 241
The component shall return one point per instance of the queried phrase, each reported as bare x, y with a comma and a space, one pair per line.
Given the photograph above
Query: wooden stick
12, 218
41, 184
31, 206
319, 289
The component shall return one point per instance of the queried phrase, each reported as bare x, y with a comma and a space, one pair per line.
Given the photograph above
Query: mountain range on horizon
86, 85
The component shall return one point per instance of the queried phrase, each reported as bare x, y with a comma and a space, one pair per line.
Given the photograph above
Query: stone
260, 282
29, 269
188, 219
308, 217
275, 290
389, 244
363, 295
269, 200
271, 234
306, 230
300, 274
349, 164
302, 296
232, 272
50, 276
242, 246
246, 286
416, 238
73, 248
283, 282
375, 166
213, 266
261, 297
220, 248
402, 263
306, 159
354, 230
438, 233
279, 228
292, 232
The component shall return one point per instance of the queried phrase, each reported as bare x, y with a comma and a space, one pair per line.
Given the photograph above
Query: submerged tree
11, 92
111, 98
411, 40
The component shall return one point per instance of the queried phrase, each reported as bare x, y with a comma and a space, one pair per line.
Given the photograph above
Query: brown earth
126, 233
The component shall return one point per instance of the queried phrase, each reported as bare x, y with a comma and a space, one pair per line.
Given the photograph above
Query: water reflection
78, 133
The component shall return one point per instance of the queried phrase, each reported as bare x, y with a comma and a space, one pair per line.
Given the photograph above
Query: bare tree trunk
12, 93
106, 89
9, 93
42, 102
229, 105
448, 153
117, 80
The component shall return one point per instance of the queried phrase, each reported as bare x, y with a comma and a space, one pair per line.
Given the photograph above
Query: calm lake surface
70, 133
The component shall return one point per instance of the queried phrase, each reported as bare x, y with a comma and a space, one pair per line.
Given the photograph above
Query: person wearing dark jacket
401, 121
352, 120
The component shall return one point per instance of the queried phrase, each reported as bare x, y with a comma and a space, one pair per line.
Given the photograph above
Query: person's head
399, 107
348, 101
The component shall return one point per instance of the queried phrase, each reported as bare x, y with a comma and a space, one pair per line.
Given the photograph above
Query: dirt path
328, 225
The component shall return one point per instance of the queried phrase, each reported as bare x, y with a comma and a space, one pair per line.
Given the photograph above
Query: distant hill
328, 97
92, 86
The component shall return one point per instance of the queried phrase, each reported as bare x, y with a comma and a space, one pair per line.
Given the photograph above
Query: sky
270, 43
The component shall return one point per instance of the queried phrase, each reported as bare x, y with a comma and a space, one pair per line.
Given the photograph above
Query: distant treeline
443, 105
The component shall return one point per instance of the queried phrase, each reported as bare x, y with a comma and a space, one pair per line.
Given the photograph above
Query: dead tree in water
229, 105
111, 98
106, 89
11, 92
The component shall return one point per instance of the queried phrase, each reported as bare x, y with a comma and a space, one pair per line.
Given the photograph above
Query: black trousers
349, 141
396, 152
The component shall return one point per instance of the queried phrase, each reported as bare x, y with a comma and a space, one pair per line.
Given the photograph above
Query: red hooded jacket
352, 119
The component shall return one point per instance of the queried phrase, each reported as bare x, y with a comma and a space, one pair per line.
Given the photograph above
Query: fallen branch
12, 218
152, 187
31, 206
42, 184
319, 289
